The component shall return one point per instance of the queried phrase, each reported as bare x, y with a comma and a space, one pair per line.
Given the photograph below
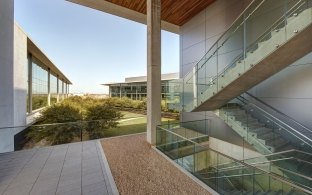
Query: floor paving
76, 168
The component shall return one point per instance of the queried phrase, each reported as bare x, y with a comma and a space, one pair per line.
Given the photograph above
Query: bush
102, 117
57, 133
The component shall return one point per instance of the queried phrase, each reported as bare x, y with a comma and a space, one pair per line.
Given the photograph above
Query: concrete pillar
120, 91
30, 83
13, 79
58, 89
153, 68
49, 87
63, 90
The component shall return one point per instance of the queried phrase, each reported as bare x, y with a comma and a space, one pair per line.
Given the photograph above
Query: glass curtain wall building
46, 84
136, 87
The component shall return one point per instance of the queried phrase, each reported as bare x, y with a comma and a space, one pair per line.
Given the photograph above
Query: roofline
38, 53
123, 12
108, 84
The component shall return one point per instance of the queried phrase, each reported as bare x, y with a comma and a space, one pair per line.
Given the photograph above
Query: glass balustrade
260, 30
222, 173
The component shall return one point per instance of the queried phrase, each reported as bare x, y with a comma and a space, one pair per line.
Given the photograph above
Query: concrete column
58, 89
63, 90
67, 89
120, 91
153, 68
30, 83
6, 75
49, 87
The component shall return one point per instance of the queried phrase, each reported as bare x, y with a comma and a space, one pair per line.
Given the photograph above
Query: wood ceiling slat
177, 12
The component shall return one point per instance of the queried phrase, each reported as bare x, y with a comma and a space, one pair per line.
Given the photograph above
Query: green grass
131, 126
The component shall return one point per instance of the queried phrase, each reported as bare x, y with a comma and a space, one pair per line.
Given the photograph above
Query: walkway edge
107, 169
196, 180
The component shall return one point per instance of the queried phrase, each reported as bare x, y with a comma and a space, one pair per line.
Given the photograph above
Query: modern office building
245, 87
30, 82
136, 87
245, 82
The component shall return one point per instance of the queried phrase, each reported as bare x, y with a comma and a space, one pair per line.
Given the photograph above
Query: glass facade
53, 89
38, 78
138, 90
39, 86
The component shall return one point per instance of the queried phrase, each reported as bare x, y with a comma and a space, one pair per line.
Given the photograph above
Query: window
39, 85
53, 89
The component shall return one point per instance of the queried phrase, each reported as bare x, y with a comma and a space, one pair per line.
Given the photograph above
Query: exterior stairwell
264, 127
286, 144
263, 138
287, 40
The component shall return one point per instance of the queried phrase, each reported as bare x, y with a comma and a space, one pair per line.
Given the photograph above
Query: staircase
264, 138
290, 34
265, 128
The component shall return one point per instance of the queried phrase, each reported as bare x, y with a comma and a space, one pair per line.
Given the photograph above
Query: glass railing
302, 134
222, 173
262, 28
48, 134
293, 164
258, 122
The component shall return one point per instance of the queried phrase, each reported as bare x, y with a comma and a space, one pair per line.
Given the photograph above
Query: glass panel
222, 173
53, 89
39, 85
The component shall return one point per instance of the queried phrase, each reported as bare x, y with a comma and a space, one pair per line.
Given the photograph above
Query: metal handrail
260, 38
279, 112
256, 41
270, 115
229, 28
265, 163
277, 177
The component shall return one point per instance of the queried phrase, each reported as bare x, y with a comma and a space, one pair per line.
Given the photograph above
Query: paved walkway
76, 168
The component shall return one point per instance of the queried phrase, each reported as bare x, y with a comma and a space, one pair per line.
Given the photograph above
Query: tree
100, 117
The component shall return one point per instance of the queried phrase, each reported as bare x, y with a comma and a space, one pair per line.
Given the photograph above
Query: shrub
57, 133
102, 117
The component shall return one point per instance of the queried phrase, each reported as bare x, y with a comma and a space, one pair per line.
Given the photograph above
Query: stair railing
195, 90
165, 136
279, 112
283, 126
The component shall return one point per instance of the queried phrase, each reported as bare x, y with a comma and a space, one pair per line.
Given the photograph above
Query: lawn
131, 123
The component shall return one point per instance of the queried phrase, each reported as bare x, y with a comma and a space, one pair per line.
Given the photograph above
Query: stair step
246, 119
277, 143
250, 123
268, 136
260, 131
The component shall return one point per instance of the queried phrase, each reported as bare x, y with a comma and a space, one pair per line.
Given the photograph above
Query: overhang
174, 13
37, 53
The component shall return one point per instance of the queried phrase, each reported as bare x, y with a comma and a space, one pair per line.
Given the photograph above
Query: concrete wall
289, 90
13, 80
6, 74
202, 31
20, 77
196, 38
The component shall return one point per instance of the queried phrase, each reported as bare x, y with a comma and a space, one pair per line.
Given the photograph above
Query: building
30, 84
245, 81
136, 87
245, 87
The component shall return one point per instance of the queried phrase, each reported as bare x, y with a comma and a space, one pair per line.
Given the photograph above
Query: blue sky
91, 47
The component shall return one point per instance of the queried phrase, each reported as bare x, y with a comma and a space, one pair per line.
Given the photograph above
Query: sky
91, 47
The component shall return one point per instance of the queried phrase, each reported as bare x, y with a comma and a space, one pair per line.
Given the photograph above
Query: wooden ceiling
176, 12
